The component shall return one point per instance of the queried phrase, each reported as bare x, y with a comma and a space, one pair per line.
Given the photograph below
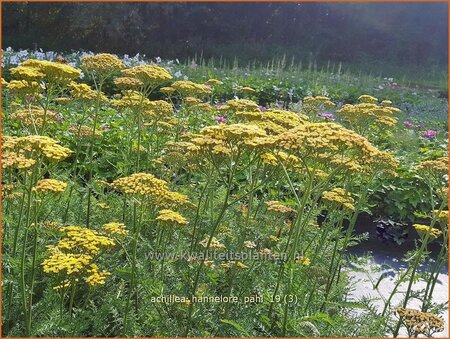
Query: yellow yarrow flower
170, 217
115, 228
101, 65
422, 230
50, 186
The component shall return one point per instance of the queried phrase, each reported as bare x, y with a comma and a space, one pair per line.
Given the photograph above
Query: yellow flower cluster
239, 105
339, 197
101, 65
170, 217
418, 322
249, 244
150, 75
9, 193
189, 88
273, 121
34, 116
130, 100
84, 239
167, 90
158, 109
422, 230
312, 105
215, 244
276, 158
125, 83
214, 82
191, 101
304, 261
21, 152
147, 186
84, 131
321, 140
368, 112
278, 207
96, 276
68, 263
442, 217
367, 99
103, 206
50, 186
223, 140
73, 254
115, 228
247, 90
23, 88
438, 167
84, 92
27, 73
54, 72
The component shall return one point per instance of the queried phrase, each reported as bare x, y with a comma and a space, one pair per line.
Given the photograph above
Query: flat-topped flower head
316, 140
25, 89
101, 65
214, 82
125, 83
148, 188
339, 197
54, 72
239, 105
35, 116
420, 323
79, 238
247, 90
130, 99
438, 167
27, 73
167, 90
115, 228
367, 99
367, 112
34, 145
96, 277
189, 88
84, 92
422, 230
50, 186
67, 263
149, 75
213, 244
273, 121
170, 217
158, 109
279, 208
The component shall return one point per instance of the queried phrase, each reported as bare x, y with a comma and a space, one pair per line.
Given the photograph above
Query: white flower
178, 74
158, 60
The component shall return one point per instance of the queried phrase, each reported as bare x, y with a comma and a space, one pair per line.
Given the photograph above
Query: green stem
215, 226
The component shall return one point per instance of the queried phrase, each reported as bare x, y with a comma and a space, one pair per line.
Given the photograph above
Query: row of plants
104, 193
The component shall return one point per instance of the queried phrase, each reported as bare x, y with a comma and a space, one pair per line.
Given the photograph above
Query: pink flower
262, 108
221, 119
408, 124
327, 115
430, 134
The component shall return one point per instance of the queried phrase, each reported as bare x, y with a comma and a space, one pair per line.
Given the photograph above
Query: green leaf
236, 326
320, 317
